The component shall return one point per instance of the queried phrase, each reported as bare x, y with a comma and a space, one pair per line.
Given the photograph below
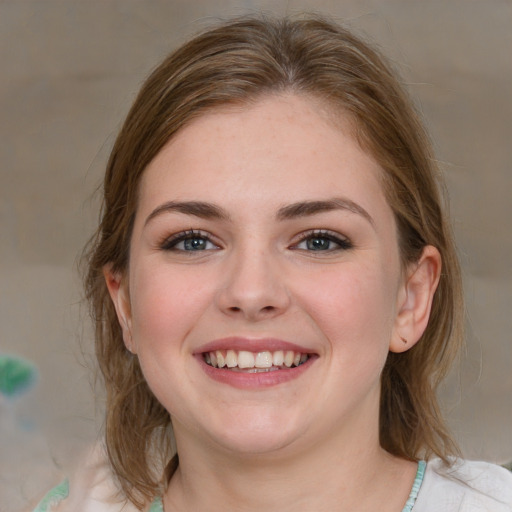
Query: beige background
69, 70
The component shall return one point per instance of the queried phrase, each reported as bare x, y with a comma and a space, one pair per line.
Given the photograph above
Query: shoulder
91, 489
465, 486
54, 497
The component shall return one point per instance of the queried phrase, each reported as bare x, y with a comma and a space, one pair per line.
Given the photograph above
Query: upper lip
252, 345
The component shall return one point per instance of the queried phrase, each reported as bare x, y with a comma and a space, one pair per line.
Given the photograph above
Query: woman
275, 288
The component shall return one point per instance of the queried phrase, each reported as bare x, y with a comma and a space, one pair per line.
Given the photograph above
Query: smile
254, 362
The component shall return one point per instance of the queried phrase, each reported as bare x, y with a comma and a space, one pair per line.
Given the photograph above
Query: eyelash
342, 242
170, 243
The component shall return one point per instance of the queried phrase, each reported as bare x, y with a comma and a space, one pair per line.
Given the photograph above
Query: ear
118, 289
415, 300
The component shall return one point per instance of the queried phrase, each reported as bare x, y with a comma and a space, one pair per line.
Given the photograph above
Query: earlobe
118, 290
415, 300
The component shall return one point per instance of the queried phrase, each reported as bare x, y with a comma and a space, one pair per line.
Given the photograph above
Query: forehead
282, 147
279, 123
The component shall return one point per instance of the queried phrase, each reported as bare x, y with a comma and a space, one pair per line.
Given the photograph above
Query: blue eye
322, 242
319, 244
194, 244
189, 241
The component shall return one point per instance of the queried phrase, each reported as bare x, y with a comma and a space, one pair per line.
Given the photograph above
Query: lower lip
243, 380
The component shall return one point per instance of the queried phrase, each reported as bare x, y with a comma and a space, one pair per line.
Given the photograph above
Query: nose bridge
254, 284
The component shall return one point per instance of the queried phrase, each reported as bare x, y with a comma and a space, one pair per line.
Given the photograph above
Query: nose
254, 287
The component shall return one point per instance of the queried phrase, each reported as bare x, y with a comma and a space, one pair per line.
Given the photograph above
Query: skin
273, 447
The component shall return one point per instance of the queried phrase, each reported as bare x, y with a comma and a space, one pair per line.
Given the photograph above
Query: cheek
354, 306
165, 306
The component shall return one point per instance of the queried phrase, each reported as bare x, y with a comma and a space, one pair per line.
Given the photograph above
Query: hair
236, 63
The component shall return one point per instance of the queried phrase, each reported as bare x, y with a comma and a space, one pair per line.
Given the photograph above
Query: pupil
318, 244
194, 244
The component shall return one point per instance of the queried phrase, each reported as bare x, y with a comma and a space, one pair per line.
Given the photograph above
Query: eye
322, 241
189, 241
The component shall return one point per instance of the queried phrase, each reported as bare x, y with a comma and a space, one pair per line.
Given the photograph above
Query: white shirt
464, 487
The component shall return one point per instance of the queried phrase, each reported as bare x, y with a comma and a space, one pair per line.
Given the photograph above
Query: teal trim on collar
54, 497
420, 473
157, 505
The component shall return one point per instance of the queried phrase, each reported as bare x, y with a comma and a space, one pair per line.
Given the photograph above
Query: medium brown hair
235, 63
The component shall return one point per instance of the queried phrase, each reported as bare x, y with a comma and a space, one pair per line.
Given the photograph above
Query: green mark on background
16, 375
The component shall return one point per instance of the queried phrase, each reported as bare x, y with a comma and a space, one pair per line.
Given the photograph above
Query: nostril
265, 309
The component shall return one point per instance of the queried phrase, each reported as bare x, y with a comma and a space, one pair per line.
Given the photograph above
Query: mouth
254, 364
244, 361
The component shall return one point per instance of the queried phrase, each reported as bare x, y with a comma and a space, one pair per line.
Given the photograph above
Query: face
264, 287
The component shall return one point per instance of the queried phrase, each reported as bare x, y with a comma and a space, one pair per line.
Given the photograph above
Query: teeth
254, 362
245, 359
263, 360
220, 359
231, 359
255, 370
278, 358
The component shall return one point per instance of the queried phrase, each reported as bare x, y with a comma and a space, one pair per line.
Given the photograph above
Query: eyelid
169, 243
343, 242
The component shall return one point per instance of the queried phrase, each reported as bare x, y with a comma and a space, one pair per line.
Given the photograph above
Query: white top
464, 487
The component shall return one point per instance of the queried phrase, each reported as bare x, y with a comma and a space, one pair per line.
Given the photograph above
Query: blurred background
69, 72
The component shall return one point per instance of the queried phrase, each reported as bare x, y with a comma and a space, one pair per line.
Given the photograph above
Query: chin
260, 434
256, 443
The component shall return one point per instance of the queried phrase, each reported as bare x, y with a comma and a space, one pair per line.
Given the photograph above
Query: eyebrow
200, 209
205, 210
308, 208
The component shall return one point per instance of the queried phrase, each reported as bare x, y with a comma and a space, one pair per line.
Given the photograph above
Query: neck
330, 476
